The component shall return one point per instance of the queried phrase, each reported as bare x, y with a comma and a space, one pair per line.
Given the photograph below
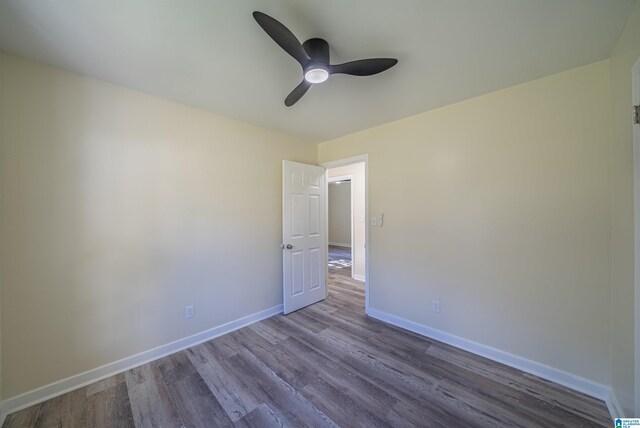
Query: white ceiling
212, 54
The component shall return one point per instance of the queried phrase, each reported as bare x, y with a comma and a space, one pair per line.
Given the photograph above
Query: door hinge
636, 114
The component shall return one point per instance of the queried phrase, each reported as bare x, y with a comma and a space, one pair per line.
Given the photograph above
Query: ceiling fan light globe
316, 75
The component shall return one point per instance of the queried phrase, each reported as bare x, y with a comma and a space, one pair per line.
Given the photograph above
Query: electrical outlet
189, 311
435, 306
377, 220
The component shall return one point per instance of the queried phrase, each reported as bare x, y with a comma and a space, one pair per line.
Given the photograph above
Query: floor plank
67, 410
23, 418
227, 386
260, 417
196, 404
151, 402
110, 407
287, 402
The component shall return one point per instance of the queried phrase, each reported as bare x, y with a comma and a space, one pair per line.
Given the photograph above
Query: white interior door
304, 238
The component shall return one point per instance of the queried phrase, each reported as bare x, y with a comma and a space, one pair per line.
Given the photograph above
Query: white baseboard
575, 382
340, 244
3, 412
358, 277
60, 387
615, 409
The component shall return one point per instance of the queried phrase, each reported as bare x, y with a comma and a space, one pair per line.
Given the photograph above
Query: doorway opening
347, 231
340, 224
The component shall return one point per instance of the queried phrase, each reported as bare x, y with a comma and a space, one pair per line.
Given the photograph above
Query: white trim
346, 177
615, 410
570, 380
4, 411
358, 277
348, 161
60, 387
340, 244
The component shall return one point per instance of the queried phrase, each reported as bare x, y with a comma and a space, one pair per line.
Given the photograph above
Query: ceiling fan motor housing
318, 50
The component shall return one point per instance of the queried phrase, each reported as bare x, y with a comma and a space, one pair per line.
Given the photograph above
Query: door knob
288, 246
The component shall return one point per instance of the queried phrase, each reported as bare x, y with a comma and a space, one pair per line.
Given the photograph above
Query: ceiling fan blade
364, 67
282, 36
297, 93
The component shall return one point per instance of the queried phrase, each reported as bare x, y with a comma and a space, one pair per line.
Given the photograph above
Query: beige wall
340, 214
118, 209
499, 207
625, 54
357, 172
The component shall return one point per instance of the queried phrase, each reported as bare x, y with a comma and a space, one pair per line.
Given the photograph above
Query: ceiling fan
313, 56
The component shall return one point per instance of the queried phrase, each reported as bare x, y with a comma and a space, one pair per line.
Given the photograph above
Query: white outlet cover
435, 306
189, 311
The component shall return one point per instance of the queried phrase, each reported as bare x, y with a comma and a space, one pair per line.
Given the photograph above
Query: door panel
303, 235
314, 221
296, 215
314, 265
297, 273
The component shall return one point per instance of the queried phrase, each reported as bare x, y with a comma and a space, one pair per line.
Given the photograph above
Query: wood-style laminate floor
325, 365
340, 260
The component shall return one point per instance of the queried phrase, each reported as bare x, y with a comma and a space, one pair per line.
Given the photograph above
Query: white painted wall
623, 57
356, 171
117, 210
340, 214
499, 207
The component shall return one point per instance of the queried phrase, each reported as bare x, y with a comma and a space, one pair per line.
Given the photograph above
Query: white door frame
635, 98
333, 180
343, 162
